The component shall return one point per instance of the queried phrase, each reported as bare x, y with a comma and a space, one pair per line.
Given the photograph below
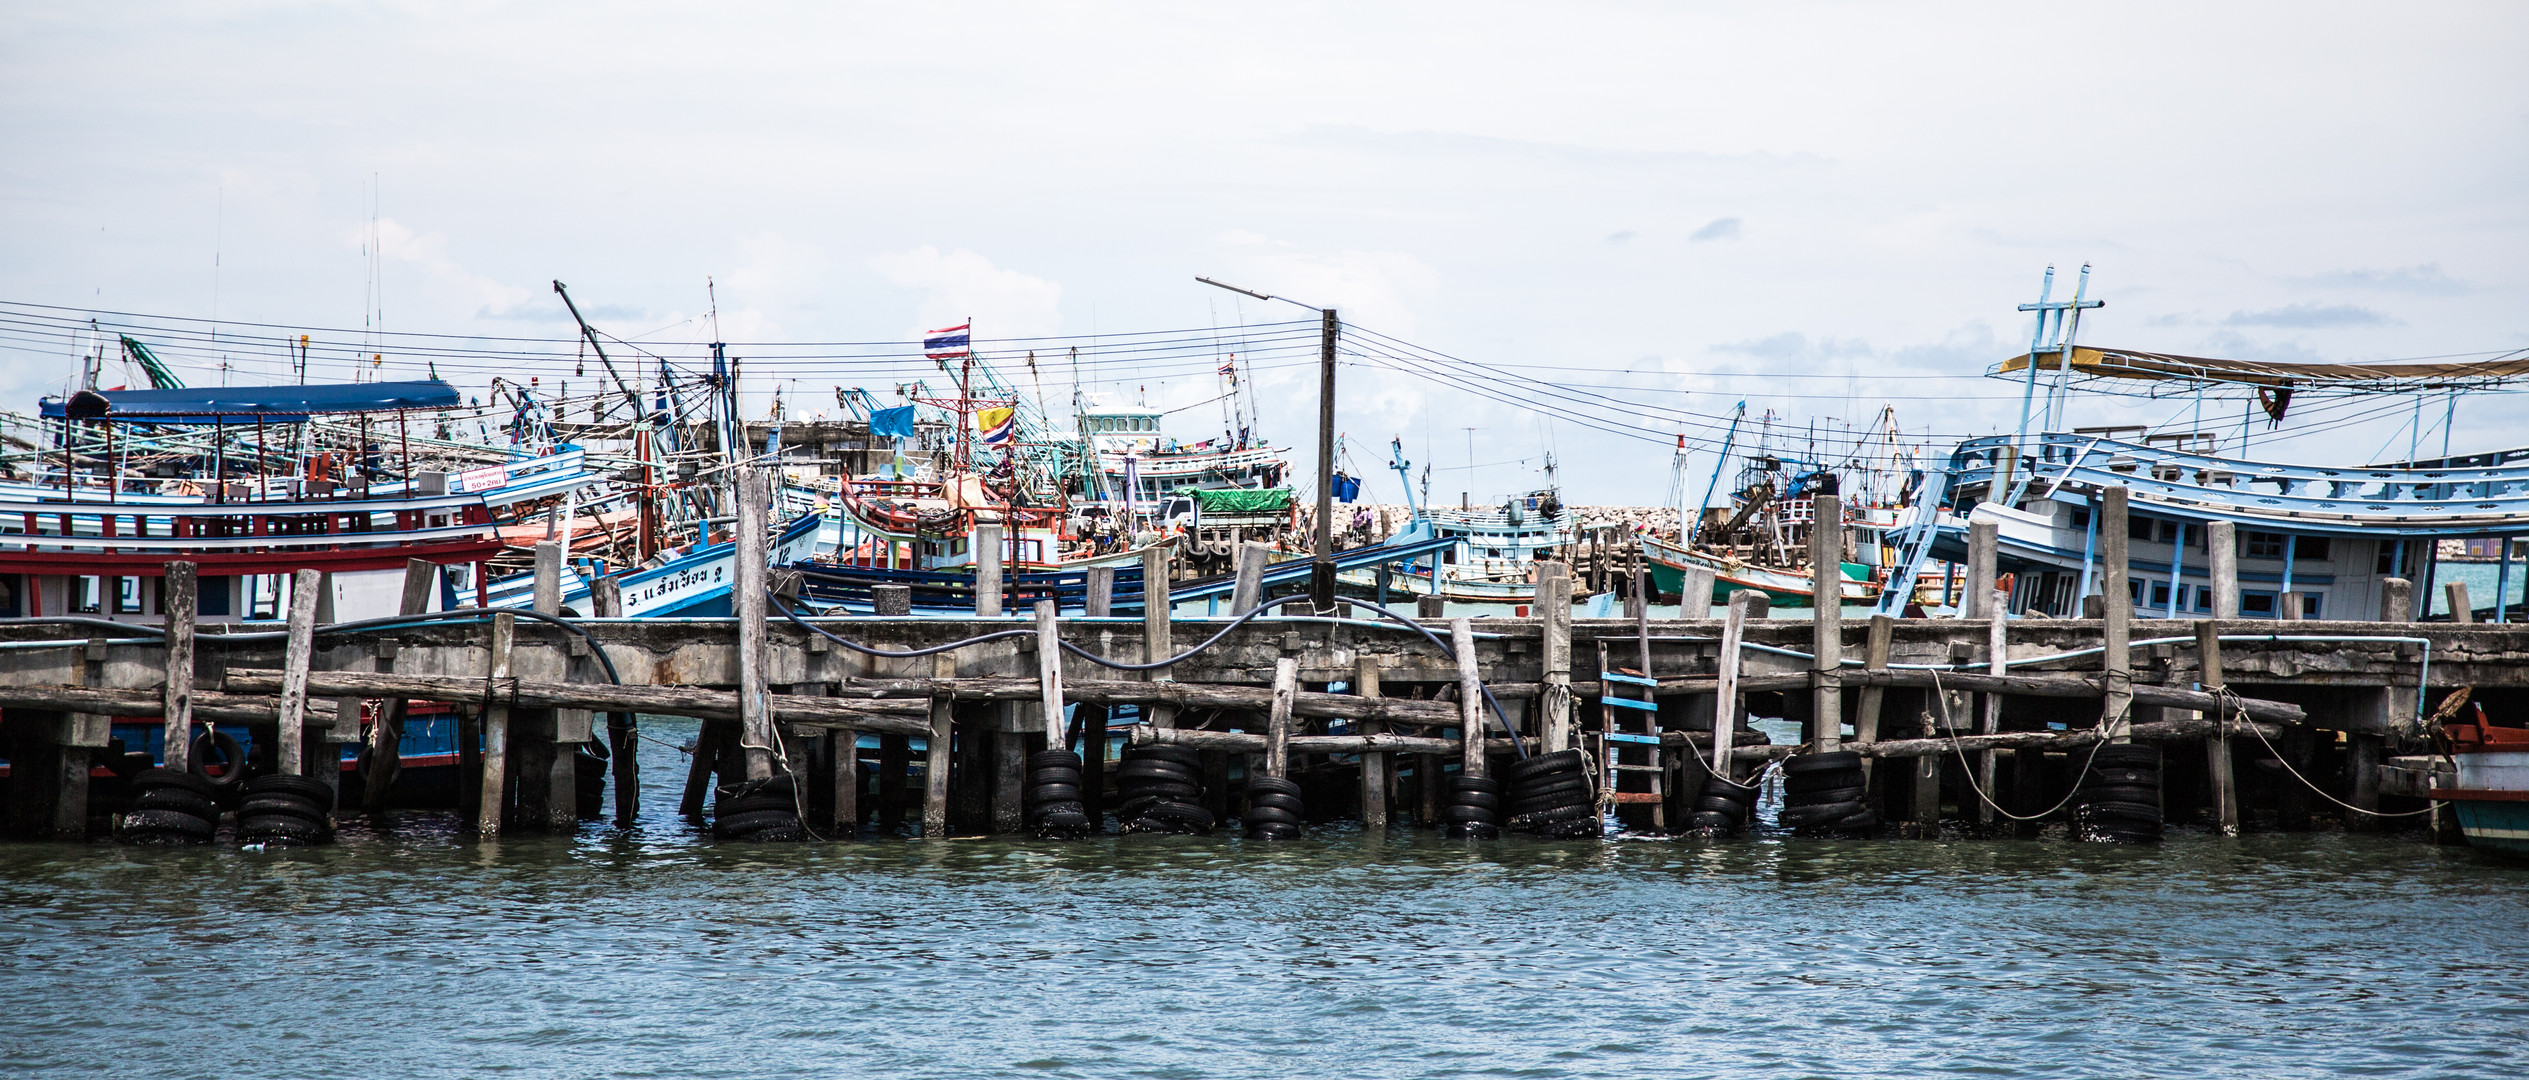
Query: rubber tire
232, 756
1176, 755
1463, 782
1867, 819
2126, 755
1274, 832
168, 821
1052, 793
2124, 793
1809, 763
1070, 822
1565, 795
1156, 770
1272, 784
1799, 816
1164, 789
1055, 776
1269, 814
748, 824
2121, 777
252, 828
284, 805
1473, 830
1558, 761
1536, 818
1485, 799
1276, 800
1454, 812
1710, 820
1830, 795
1183, 814
1820, 778
1053, 759
312, 790
1525, 809
754, 804
179, 800
1718, 787
1724, 807
161, 776
2120, 811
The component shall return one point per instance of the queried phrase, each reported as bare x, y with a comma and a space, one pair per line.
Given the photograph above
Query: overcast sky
1689, 201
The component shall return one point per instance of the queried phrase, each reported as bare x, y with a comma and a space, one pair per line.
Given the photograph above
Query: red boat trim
213, 564
2478, 795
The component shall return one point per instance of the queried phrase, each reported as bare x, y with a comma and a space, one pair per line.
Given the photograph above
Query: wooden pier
1364, 713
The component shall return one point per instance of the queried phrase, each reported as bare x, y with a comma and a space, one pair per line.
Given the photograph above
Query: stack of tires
1475, 807
765, 809
2118, 798
1823, 793
1056, 807
1724, 805
1162, 790
1552, 795
1273, 808
286, 811
170, 806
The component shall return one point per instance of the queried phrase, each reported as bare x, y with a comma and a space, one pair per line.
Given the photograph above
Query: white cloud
398, 242
1378, 289
962, 285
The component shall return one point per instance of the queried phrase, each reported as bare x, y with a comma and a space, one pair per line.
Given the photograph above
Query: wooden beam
1374, 763
1470, 698
2077, 685
493, 800
898, 716
2217, 764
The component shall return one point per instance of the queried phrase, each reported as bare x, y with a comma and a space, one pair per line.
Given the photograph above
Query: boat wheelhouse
1135, 455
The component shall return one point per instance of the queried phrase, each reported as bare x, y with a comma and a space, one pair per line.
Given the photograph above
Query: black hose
784, 607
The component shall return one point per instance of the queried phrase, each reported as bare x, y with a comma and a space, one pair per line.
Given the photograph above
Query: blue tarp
246, 403
895, 423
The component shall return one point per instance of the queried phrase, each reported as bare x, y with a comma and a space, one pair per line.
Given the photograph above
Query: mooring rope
1940, 700
2226, 694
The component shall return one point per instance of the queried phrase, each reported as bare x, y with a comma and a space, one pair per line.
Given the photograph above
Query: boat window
2160, 594
213, 593
2309, 605
2256, 603
89, 592
1497, 553
2136, 588
2260, 545
1449, 555
2139, 528
127, 595
2310, 547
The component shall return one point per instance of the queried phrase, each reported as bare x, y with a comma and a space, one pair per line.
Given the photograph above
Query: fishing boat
1762, 545
2491, 799
1669, 562
1492, 551
141, 478
2312, 541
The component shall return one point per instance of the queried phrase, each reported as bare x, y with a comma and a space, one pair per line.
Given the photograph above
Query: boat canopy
281, 404
1239, 500
2129, 364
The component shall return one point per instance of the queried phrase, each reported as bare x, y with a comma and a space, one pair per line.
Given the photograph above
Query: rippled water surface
649, 953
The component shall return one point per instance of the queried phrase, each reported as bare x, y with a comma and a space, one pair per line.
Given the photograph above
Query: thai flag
946, 343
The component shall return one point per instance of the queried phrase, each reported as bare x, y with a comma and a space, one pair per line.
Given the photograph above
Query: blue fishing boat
2491, 798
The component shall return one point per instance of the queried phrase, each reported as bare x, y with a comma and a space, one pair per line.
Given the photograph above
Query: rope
1940, 699
2228, 696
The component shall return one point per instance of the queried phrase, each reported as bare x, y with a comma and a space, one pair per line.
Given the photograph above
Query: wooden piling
1983, 549
1158, 640
2117, 656
290, 734
180, 603
1554, 616
1286, 682
988, 541
1101, 600
2290, 606
748, 603
1248, 591
386, 736
935, 763
1826, 610
623, 740
1470, 698
891, 601
1374, 763
492, 799
548, 579
1997, 653
1725, 698
1875, 650
2219, 776
1694, 593
2460, 610
2221, 543
1049, 673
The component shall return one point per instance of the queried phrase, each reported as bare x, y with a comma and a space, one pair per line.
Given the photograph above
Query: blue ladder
1915, 547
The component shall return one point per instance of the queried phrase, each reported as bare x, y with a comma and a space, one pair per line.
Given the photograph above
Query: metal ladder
1629, 737
1916, 547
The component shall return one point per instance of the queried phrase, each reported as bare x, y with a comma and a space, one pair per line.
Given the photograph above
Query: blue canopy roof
275, 403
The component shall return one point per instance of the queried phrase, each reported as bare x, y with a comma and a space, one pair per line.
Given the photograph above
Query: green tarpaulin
1239, 500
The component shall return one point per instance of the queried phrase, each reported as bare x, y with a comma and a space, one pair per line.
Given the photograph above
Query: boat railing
2292, 497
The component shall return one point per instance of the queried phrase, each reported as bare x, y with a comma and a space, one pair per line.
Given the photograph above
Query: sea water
410, 950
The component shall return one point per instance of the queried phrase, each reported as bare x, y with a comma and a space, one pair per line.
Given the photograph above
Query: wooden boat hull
1668, 564
2491, 800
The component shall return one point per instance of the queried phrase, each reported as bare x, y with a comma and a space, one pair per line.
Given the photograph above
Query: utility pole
1321, 578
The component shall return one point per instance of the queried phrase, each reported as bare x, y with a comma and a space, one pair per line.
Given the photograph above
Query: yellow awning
2127, 364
